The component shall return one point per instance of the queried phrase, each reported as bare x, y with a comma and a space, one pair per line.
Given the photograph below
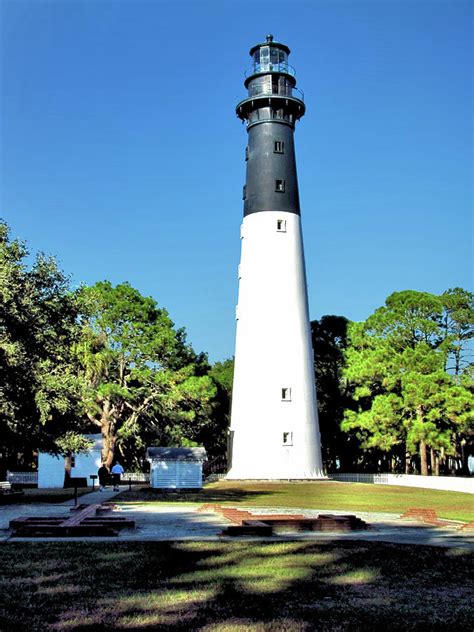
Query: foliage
407, 401
73, 443
39, 392
214, 433
142, 381
329, 338
458, 328
223, 374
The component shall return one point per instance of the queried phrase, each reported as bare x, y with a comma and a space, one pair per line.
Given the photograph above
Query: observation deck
271, 84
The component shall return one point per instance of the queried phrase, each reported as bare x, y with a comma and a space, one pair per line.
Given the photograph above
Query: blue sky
121, 153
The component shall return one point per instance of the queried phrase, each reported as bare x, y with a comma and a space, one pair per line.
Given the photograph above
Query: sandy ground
182, 522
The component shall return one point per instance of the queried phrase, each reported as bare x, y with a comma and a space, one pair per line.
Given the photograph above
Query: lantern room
270, 56
271, 86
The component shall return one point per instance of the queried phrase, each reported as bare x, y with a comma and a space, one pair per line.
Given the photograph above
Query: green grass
234, 586
328, 495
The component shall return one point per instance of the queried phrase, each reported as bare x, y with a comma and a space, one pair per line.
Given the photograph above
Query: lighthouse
274, 431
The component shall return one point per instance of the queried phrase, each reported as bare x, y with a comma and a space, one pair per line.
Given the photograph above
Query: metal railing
217, 465
281, 67
359, 478
273, 93
463, 484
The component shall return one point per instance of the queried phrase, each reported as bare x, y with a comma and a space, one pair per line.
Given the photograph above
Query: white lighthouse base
274, 423
233, 476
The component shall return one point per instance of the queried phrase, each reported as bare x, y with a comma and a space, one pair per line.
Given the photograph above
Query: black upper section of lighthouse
271, 111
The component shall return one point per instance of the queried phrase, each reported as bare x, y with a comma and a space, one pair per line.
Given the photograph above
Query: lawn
234, 586
327, 495
34, 495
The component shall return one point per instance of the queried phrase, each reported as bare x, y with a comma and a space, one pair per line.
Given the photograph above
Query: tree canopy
141, 380
100, 357
39, 392
330, 340
408, 402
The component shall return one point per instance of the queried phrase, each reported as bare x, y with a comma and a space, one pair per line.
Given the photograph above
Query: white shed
51, 468
176, 468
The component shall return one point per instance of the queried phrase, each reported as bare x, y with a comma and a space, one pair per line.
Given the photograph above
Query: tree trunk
67, 468
442, 461
463, 457
423, 458
107, 427
108, 447
434, 456
407, 462
457, 356
422, 447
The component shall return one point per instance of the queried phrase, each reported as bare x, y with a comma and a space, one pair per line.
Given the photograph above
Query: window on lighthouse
286, 394
281, 225
280, 186
278, 147
287, 438
264, 59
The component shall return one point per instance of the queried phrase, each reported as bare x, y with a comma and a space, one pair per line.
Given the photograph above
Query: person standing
103, 473
117, 472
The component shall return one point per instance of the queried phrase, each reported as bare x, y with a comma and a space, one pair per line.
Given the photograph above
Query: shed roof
176, 454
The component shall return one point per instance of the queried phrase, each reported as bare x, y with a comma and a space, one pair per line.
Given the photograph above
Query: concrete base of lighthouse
274, 424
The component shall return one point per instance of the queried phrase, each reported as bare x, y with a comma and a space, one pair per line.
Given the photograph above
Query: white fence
23, 478
447, 483
136, 477
31, 478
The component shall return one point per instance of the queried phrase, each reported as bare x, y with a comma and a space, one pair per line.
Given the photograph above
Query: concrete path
96, 496
182, 521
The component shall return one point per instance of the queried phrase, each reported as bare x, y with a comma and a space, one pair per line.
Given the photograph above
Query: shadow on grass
204, 495
234, 586
332, 495
50, 496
